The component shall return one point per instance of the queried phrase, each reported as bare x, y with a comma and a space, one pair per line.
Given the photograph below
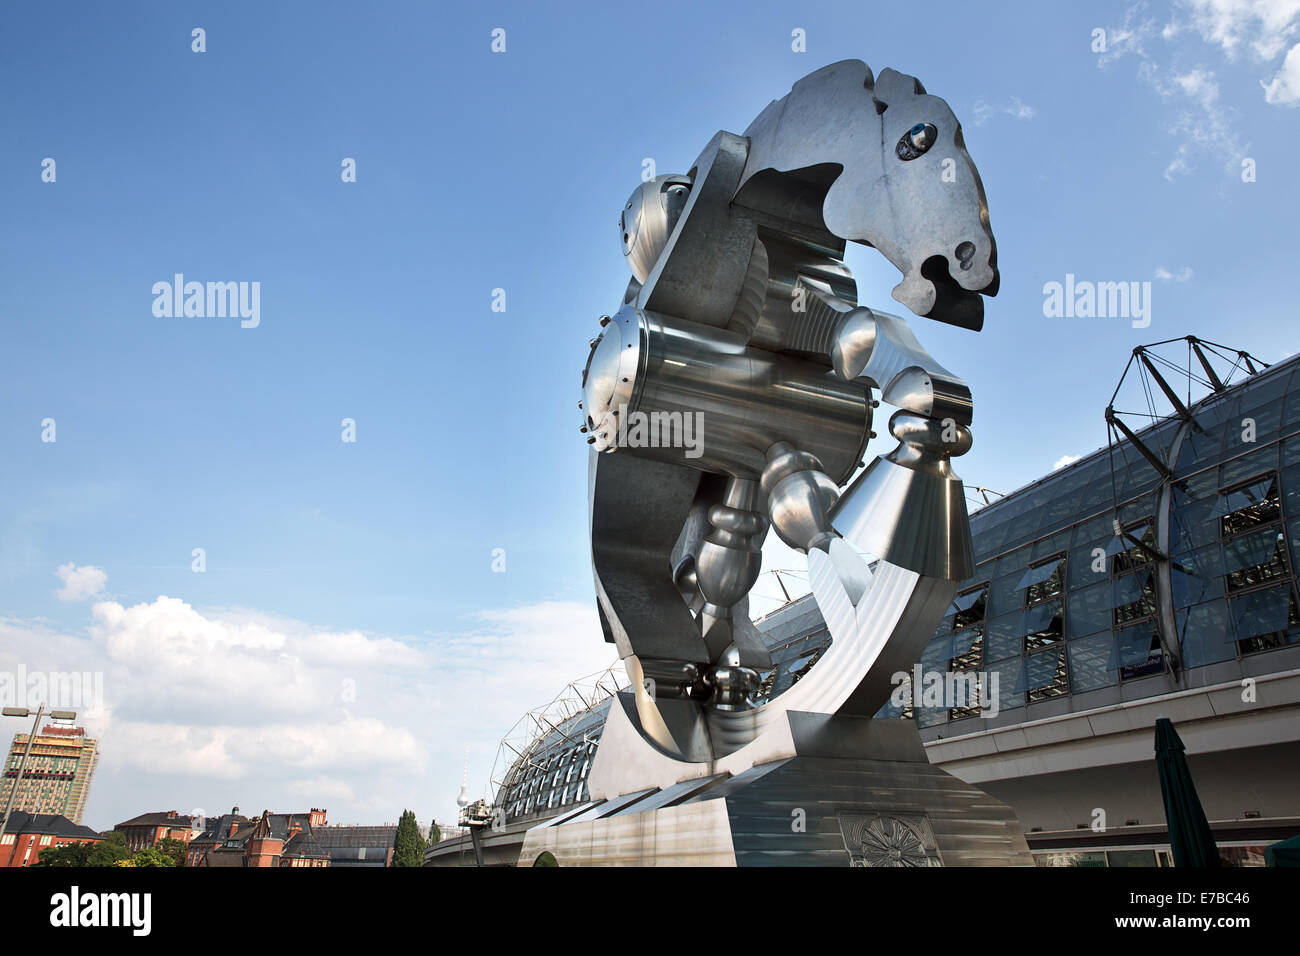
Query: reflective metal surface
649, 218
904, 206
799, 495
734, 389
673, 390
908, 508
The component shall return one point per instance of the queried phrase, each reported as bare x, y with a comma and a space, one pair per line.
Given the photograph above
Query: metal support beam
1114, 420
1216, 383
1179, 408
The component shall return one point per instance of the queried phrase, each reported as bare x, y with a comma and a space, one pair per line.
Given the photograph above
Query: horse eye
916, 141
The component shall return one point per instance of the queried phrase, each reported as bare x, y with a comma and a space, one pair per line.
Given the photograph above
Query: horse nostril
965, 252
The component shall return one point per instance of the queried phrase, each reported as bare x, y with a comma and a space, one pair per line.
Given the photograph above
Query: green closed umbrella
1286, 853
1189, 832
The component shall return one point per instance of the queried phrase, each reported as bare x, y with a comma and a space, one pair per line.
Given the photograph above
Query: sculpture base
854, 792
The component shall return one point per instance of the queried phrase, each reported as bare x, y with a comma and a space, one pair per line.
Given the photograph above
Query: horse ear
892, 85
870, 82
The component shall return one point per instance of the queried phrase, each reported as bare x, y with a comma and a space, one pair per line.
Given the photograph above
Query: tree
176, 849
435, 833
70, 854
408, 845
112, 850
151, 856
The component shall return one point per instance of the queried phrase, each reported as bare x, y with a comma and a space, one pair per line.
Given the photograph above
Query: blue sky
479, 171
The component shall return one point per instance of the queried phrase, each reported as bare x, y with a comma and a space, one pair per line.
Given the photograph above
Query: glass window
1137, 651
966, 641
1004, 637
1101, 490
970, 662
1090, 610
1042, 624
989, 535
1029, 525
1291, 411
1135, 548
1256, 462
1134, 597
1059, 511
1045, 674
1043, 581
1202, 484
1009, 675
1090, 531
930, 716
1254, 558
969, 606
1261, 618
1205, 634
1004, 592
1203, 446
1197, 576
937, 652
1091, 662
1290, 451
1083, 568
1249, 506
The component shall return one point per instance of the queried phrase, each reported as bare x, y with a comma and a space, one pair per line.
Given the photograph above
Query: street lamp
22, 764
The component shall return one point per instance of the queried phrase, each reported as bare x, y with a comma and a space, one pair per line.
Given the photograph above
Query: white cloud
1128, 38
1065, 460
79, 583
324, 789
983, 111
1199, 118
1179, 165
1262, 27
1182, 275
1200, 121
1284, 88
207, 708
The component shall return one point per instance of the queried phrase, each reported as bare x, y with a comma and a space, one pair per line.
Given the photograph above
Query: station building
1154, 577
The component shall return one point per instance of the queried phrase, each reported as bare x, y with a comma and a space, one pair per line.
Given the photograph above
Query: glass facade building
1156, 576
551, 773
1110, 577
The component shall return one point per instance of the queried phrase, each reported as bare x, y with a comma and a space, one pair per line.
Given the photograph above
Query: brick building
271, 840
28, 834
217, 831
148, 828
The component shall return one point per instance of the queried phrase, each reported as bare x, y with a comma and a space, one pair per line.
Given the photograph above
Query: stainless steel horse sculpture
742, 322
